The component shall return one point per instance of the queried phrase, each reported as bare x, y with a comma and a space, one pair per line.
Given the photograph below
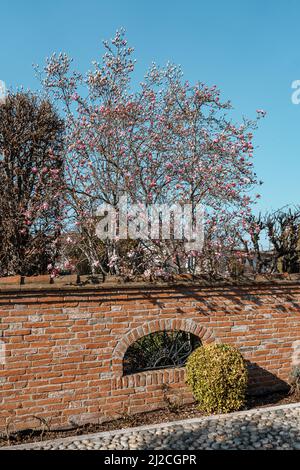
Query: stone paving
264, 428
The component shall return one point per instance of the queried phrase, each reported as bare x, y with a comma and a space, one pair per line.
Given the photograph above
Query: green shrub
218, 377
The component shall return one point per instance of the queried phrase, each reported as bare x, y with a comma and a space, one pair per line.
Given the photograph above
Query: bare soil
168, 414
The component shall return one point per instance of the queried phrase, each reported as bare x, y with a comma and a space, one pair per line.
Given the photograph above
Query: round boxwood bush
218, 377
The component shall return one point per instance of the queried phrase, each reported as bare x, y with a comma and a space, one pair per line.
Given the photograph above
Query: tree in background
167, 142
280, 232
31, 184
283, 230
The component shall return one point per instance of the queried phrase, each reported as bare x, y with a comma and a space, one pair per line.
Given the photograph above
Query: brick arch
204, 334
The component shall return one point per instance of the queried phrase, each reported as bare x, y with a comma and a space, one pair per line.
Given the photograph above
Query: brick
64, 353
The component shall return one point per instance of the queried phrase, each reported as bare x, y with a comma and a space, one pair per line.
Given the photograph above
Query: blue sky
249, 49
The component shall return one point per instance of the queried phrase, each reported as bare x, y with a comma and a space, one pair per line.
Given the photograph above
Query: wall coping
119, 288
82, 282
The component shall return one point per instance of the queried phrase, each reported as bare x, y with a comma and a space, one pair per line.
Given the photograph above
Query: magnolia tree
165, 141
31, 175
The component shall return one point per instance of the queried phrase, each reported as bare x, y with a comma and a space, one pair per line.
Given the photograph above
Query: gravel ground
264, 428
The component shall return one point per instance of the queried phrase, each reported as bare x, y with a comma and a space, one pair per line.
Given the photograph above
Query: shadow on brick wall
261, 381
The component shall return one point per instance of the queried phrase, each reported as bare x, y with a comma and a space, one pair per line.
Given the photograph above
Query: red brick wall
62, 348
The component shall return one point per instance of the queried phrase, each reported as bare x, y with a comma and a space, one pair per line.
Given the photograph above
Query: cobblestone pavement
265, 428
